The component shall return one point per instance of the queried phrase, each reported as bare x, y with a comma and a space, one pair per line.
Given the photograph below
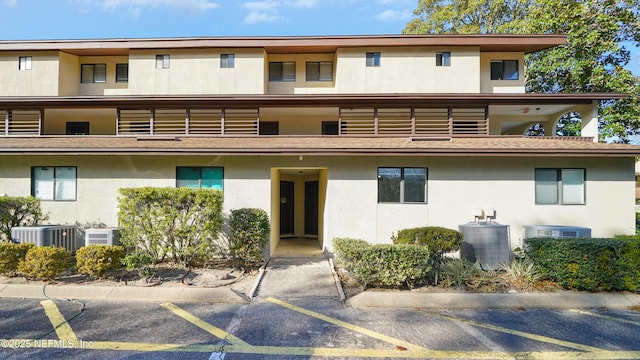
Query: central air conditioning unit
555, 231
108, 236
65, 236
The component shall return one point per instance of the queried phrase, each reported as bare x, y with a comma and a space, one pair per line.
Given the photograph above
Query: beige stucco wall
408, 70
101, 121
196, 72
501, 86
301, 85
69, 74
41, 80
456, 186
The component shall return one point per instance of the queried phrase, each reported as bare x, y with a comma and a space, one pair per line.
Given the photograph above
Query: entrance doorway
287, 208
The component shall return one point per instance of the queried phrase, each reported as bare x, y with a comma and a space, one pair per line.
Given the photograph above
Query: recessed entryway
297, 209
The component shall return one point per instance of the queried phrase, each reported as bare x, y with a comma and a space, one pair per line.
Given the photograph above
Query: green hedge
177, 223
96, 260
588, 264
11, 255
45, 262
249, 236
384, 265
438, 239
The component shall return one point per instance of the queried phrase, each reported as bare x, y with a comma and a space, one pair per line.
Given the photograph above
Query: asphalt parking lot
306, 328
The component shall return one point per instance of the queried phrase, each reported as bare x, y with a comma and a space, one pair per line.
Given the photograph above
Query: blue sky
82, 19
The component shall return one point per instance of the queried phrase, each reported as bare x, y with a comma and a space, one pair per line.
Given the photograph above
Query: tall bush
179, 223
249, 236
19, 211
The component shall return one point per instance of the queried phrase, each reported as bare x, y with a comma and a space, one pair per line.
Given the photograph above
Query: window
200, 177
320, 71
402, 185
77, 128
504, 70
56, 183
373, 59
24, 63
560, 186
329, 128
282, 71
269, 128
227, 60
162, 61
93, 73
122, 73
443, 58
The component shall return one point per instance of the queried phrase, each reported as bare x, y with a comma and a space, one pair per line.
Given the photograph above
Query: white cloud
10, 2
393, 15
302, 3
261, 11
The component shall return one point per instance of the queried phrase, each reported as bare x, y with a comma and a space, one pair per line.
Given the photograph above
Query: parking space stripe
523, 334
60, 324
358, 329
617, 319
213, 330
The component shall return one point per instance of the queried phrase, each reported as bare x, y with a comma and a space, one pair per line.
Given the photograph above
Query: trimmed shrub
10, 256
45, 262
179, 223
249, 236
19, 211
588, 264
384, 265
438, 239
96, 260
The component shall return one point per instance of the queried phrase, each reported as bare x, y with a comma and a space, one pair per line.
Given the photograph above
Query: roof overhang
252, 101
291, 44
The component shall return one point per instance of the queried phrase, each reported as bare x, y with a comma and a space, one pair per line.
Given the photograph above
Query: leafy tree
593, 60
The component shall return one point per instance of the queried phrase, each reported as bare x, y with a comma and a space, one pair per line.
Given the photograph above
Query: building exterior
345, 136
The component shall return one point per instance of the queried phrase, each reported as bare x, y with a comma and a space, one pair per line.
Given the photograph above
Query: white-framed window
162, 61
93, 73
402, 185
227, 61
207, 177
443, 58
560, 186
24, 63
282, 71
122, 73
54, 183
373, 59
320, 71
504, 70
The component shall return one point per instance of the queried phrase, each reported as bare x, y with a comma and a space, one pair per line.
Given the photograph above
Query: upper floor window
504, 70
24, 63
560, 186
443, 58
402, 185
227, 60
320, 71
162, 61
122, 73
282, 71
56, 183
197, 177
373, 59
93, 73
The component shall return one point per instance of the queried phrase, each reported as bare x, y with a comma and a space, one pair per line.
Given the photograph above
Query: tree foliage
593, 60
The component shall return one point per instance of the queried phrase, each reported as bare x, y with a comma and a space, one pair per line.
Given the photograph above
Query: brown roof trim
214, 101
276, 44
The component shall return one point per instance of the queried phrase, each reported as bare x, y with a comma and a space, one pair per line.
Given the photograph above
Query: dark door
286, 207
311, 208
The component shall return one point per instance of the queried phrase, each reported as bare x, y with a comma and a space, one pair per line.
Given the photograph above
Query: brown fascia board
246, 101
285, 44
